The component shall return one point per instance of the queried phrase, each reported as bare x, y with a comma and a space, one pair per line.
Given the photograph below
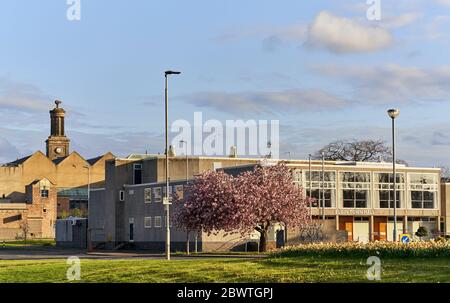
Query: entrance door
346, 223
380, 228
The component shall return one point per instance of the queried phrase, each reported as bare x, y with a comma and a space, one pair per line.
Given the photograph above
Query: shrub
427, 249
421, 232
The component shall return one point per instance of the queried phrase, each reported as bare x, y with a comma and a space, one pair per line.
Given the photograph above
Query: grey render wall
136, 209
98, 216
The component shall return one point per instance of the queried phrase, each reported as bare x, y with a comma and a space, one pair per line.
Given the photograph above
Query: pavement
46, 253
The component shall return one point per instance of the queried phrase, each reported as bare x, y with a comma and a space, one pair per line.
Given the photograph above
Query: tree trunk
263, 240
187, 242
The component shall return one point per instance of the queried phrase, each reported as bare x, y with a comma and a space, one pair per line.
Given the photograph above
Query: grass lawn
295, 269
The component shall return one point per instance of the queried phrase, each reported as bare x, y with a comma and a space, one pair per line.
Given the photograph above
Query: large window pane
387, 199
355, 177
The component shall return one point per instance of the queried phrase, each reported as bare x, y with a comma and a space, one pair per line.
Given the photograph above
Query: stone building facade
69, 173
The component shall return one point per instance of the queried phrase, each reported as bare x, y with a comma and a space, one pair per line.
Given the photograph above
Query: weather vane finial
57, 102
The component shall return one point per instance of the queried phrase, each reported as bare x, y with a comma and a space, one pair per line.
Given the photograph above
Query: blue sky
320, 67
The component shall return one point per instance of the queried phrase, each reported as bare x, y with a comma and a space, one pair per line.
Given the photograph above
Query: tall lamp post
393, 113
88, 167
310, 187
323, 188
187, 178
166, 198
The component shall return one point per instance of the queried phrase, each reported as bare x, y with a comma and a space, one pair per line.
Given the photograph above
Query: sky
321, 68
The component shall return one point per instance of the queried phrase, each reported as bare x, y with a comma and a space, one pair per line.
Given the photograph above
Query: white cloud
8, 152
444, 2
434, 32
267, 102
392, 83
21, 96
399, 21
343, 35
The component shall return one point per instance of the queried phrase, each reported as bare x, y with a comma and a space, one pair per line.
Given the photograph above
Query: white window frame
149, 221
158, 198
367, 186
377, 187
146, 190
317, 185
121, 195
158, 218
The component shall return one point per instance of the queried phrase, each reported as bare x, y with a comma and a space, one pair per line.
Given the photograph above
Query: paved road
45, 253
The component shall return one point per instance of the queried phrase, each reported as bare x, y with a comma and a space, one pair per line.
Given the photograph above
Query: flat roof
289, 162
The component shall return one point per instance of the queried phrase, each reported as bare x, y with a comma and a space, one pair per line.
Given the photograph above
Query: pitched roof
93, 161
22, 160
59, 160
18, 161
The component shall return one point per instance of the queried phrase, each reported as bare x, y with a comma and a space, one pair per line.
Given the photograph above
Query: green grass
22, 243
295, 269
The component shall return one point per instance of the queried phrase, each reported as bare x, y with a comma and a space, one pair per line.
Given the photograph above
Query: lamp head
393, 113
171, 72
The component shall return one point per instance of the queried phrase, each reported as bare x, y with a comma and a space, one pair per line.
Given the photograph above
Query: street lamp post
187, 178
310, 188
166, 198
323, 188
88, 167
393, 113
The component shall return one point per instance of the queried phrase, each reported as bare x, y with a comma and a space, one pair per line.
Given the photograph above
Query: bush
427, 249
421, 232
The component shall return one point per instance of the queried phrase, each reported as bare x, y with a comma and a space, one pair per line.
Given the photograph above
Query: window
422, 199
44, 193
137, 173
328, 186
157, 194
355, 198
148, 222
424, 189
147, 195
355, 177
319, 196
121, 195
179, 191
387, 199
384, 188
355, 189
157, 222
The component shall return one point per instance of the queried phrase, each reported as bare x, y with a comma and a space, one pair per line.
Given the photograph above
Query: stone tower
57, 142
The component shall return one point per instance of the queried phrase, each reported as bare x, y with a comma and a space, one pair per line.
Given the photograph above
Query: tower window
44, 193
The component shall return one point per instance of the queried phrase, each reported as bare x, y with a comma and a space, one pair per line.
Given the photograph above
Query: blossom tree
254, 200
271, 197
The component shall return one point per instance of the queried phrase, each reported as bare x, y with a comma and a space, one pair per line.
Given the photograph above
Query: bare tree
354, 150
25, 228
445, 173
